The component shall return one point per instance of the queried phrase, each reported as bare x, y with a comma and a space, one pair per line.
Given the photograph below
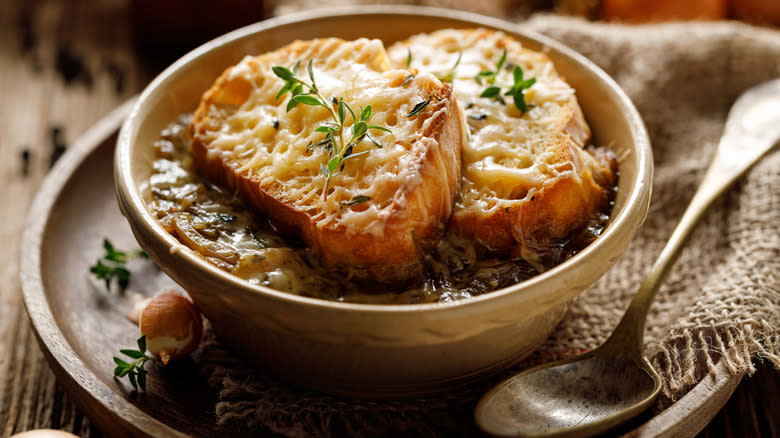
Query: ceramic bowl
380, 350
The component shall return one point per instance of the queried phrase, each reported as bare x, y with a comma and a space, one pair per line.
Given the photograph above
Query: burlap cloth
721, 301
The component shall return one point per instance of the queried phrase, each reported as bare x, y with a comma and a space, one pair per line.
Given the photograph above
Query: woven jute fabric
721, 301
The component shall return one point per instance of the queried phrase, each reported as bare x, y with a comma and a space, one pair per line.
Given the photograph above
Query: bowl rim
130, 198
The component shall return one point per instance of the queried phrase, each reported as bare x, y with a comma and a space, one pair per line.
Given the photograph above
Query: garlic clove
44, 433
172, 325
139, 304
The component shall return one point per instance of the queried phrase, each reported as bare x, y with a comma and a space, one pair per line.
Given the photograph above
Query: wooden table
64, 65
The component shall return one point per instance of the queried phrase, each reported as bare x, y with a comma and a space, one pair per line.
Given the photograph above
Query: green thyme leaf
285, 88
310, 69
112, 253
133, 382
283, 73
379, 128
340, 148
122, 275
374, 140
351, 156
450, 75
501, 62
351, 112
517, 74
134, 371
142, 379
333, 164
260, 242
491, 92
134, 354
112, 265
342, 111
307, 99
519, 101
516, 90
296, 89
358, 199
292, 103
366, 113
417, 109
359, 129
102, 272
408, 58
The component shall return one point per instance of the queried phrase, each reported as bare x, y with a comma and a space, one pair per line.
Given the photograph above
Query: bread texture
244, 139
530, 179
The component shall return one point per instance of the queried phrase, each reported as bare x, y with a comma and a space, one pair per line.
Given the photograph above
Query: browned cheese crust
573, 182
410, 212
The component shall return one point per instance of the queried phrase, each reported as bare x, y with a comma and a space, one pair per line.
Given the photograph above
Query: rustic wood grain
35, 98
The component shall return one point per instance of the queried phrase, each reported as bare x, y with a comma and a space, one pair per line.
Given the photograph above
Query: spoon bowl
585, 395
607, 387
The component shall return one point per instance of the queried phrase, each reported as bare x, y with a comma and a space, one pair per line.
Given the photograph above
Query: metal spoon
591, 393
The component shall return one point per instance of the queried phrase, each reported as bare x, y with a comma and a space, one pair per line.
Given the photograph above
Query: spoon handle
736, 153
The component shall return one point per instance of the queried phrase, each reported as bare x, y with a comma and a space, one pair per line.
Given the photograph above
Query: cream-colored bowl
379, 350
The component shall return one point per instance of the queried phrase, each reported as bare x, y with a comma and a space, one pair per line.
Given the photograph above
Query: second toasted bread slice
529, 177
379, 212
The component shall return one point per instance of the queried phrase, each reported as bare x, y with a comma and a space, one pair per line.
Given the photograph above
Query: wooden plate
80, 326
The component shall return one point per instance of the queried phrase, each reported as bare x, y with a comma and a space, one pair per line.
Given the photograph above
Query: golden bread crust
556, 187
404, 219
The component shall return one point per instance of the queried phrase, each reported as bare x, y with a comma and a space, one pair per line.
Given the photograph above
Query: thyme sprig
134, 370
493, 91
339, 140
114, 264
515, 90
450, 75
489, 76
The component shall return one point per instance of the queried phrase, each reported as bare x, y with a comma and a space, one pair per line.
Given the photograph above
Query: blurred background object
763, 12
756, 11
167, 29
661, 10
164, 30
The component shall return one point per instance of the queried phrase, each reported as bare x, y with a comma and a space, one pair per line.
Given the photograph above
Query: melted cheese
282, 159
506, 158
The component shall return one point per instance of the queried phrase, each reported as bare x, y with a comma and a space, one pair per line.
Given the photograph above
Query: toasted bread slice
246, 140
529, 178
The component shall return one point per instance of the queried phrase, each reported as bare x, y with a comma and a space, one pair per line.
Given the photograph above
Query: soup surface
220, 227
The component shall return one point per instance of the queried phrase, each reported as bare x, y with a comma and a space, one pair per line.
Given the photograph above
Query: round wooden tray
80, 326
